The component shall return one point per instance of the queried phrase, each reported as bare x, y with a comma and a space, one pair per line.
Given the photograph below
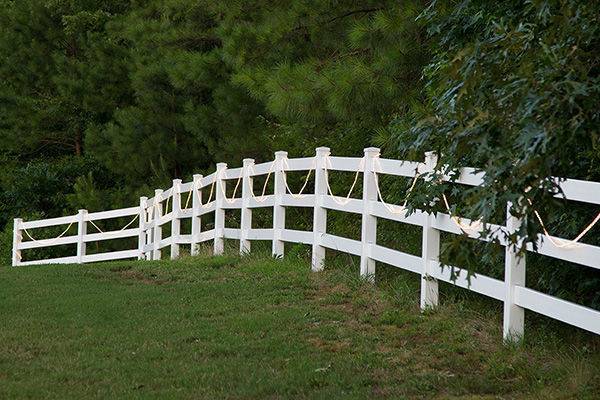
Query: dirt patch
333, 346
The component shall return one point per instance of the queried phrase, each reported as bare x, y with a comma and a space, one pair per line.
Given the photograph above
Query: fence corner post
175, 218
219, 241
246, 211
514, 275
142, 228
430, 249
320, 213
158, 212
278, 208
17, 238
196, 206
81, 232
368, 234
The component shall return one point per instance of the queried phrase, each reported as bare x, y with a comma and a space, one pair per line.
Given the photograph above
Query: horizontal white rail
113, 255
562, 310
583, 191
123, 212
399, 168
98, 237
300, 164
49, 222
208, 194
307, 200
348, 164
59, 260
48, 242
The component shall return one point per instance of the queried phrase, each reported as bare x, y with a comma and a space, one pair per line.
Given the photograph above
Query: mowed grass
258, 328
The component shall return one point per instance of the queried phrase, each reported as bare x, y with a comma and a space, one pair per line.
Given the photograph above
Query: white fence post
196, 208
514, 275
246, 211
149, 232
17, 238
81, 232
142, 234
219, 243
278, 209
368, 234
430, 250
320, 213
175, 221
158, 212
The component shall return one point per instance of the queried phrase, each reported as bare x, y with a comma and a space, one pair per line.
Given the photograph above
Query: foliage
327, 73
185, 112
512, 89
59, 74
38, 187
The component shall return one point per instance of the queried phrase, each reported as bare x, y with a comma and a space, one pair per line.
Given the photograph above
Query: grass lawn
257, 328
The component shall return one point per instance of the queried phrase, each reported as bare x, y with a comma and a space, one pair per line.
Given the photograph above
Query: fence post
175, 221
430, 250
149, 233
219, 242
368, 234
320, 213
278, 209
196, 208
246, 212
514, 275
17, 238
81, 232
158, 212
142, 232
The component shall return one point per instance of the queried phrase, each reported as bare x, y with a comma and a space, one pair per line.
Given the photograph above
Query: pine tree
329, 73
59, 74
186, 114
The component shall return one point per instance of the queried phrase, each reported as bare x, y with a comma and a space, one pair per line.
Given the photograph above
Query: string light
299, 195
262, 197
335, 198
53, 240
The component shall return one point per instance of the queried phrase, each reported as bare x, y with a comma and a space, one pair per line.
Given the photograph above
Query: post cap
158, 191
372, 151
197, 176
176, 181
323, 151
248, 161
143, 198
431, 158
281, 154
221, 165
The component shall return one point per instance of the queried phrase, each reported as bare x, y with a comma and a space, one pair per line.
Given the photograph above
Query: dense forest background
103, 101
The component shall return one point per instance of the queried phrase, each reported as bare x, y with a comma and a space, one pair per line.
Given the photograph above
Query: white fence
512, 290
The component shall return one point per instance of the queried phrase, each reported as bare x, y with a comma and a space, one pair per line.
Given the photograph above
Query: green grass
257, 328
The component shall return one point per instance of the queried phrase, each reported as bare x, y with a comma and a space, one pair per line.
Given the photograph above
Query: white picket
220, 186
246, 212
278, 208
320, 212
175, 221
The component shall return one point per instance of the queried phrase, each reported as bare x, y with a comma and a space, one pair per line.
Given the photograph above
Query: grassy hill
256, 328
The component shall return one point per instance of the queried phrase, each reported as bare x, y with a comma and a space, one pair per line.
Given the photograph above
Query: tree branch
361, 11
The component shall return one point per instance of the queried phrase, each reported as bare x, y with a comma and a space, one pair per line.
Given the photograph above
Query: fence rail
186, 203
